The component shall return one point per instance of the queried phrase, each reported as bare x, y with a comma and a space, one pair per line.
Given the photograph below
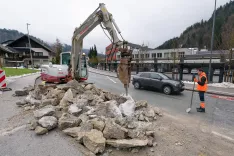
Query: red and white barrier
2, 79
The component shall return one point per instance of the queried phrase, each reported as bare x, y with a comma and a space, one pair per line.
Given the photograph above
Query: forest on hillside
199, 34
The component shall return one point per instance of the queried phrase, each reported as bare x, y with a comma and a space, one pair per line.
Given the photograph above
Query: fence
176, 71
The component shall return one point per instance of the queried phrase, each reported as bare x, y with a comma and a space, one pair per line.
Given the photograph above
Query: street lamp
212, 42
30, 47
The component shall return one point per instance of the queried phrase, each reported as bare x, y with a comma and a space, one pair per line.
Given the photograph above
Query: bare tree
228, 39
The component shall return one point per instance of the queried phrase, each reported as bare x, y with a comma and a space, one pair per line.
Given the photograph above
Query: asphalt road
17, 140
219, 116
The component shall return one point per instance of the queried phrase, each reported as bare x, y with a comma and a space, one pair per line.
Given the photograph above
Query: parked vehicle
194, 71
186, 71
158, 81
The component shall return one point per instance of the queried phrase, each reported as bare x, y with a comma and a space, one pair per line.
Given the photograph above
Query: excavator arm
104, 18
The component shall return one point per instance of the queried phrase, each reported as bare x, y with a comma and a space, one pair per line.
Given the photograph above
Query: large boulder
45, 111
48, 122
68, 121
40, 130
114, 131
94, 141
127, 143
74, 110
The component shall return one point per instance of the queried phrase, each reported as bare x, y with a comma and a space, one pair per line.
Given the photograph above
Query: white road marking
111, 79
223, 136
5, 132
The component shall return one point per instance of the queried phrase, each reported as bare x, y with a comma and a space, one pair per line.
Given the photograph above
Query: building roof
35, 40
38, 50
5, 48
7, 42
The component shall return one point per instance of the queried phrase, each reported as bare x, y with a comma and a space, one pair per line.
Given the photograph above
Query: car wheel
167, 90
137, 85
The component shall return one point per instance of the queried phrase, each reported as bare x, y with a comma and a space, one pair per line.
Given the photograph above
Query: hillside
199, 34
8, 34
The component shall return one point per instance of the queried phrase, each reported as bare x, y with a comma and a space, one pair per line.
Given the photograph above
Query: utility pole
30, 47
212, 42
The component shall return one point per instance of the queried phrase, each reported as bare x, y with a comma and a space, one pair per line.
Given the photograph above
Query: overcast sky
148, 21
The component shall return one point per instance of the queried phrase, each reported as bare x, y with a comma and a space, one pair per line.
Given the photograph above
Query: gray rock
84, 118
48, 122
98, 124
40, 130
84, 150
21, 103
127, 143
141, 117
86, 126
136, 133
94, 141
150, 133
45, 111
108, 109
33, 124
68, 122
21, 92
89, 87
74, 110
114, 131
31, 100
142, 103
81, 102
157, 111
68, 96
75, 132
149, 113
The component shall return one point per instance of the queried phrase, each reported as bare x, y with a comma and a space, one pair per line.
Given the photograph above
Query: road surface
218, 119
17, 140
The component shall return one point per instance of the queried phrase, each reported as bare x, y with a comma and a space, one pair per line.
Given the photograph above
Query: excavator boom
104, 18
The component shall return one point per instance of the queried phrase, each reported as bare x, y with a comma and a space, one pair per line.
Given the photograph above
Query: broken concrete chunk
128, 107
40, 130
84, 118
89, 87
114, 131
31, 100
150, 133
141, 117
149, 113
127, 143
98, 124
108, 109
48, 122
64, 123
157, 111
80, 103
94, 141
86, 126
45, 111
73, 132
142, 103
74, 110
33, 124
21, 103
68, 96
21, 92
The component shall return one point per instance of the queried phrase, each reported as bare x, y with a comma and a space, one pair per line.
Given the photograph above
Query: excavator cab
66, 59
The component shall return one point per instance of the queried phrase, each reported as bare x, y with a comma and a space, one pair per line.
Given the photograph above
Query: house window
142, 56
159, 55
136, 56
38, 54
153, 55
132, 55
173, 55
166, 55
181, 54
146, 55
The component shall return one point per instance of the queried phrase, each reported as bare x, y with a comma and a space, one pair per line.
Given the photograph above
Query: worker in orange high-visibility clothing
202, 88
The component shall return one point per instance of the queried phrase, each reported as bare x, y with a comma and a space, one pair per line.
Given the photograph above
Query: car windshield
165, 77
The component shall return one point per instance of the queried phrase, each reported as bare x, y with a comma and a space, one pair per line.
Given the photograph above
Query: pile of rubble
95, 118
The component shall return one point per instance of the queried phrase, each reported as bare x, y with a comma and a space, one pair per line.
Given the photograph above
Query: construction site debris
94, 117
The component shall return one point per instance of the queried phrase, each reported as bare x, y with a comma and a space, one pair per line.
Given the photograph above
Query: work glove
195, 80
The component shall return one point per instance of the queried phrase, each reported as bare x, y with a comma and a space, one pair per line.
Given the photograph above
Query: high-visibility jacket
202, 85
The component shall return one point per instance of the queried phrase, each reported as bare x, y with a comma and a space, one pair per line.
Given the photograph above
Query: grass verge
18, 71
